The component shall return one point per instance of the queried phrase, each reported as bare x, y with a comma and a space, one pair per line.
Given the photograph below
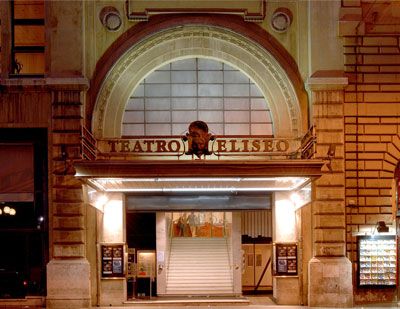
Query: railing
89, 145
308, 144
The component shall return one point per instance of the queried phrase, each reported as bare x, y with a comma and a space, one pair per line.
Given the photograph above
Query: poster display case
377, 258
146, 264
112, 260
285, 263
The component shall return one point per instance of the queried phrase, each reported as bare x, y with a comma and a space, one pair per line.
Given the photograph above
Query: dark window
28, 37
23, 217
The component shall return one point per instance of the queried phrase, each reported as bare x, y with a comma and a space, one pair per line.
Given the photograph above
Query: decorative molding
197, 41
251, 10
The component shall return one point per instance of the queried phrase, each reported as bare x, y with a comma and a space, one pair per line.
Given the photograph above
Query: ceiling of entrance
199, 184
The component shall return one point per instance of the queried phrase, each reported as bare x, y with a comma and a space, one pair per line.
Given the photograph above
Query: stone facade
354, 106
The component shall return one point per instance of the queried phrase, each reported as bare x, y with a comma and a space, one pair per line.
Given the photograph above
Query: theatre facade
214, 151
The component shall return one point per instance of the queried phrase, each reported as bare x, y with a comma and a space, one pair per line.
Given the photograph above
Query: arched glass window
173, 96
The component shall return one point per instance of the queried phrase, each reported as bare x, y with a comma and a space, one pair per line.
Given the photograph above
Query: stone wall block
68, 251
68, 209
69, 125
330, 235
67, 181
69, 223
327, 193
329, 221
68, 195
328, 207
65, 237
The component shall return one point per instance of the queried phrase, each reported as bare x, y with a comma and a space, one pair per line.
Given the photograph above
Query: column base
68, 284
330, 282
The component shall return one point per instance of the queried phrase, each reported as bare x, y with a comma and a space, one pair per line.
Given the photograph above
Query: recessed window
173, 96
28, 37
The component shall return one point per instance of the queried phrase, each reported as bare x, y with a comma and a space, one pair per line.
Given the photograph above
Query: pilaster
330, 272
68, 272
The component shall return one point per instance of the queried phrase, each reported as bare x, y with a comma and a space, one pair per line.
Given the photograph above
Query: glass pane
139, 91
158, 77
237, 129
135, 104
255, 91
235, 77
133, 129
183, 77
158, 116
260, 116
210, 90
216, 128
28, 35
184, 103
158, 129
211, 103
134, 117
179, 128
210, 77
211, 116
237, 103
237, 116
181, 116
31, 63
236, 90
258, 104
157, 90
29, 9
184, 90
157, 104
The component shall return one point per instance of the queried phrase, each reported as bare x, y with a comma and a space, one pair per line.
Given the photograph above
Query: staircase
199, 266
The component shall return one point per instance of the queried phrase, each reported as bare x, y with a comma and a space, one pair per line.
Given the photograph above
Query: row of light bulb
7, 210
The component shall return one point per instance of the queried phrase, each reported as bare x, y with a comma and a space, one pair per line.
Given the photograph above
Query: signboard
112, 260
285, 259
219, 146
251, 10
146, 264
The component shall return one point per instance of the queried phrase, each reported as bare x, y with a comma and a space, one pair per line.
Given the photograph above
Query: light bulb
6, 210
12, 212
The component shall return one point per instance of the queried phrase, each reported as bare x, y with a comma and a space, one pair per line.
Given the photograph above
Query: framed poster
285, 259
112, 260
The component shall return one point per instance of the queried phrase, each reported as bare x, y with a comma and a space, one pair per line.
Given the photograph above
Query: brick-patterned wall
67, 197
372, 110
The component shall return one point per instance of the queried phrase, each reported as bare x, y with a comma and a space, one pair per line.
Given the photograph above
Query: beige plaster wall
303, 40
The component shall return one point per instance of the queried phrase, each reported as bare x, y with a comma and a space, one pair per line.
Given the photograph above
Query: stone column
68, 272
330, 271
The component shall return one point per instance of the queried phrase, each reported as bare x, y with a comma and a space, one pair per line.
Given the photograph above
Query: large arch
226, 39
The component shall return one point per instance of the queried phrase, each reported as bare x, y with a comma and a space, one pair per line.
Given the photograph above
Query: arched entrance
254, 53
277, 79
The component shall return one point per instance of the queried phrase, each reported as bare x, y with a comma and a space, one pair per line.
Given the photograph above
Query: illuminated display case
377, 265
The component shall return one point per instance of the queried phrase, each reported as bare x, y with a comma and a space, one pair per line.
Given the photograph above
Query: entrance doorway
141, 240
